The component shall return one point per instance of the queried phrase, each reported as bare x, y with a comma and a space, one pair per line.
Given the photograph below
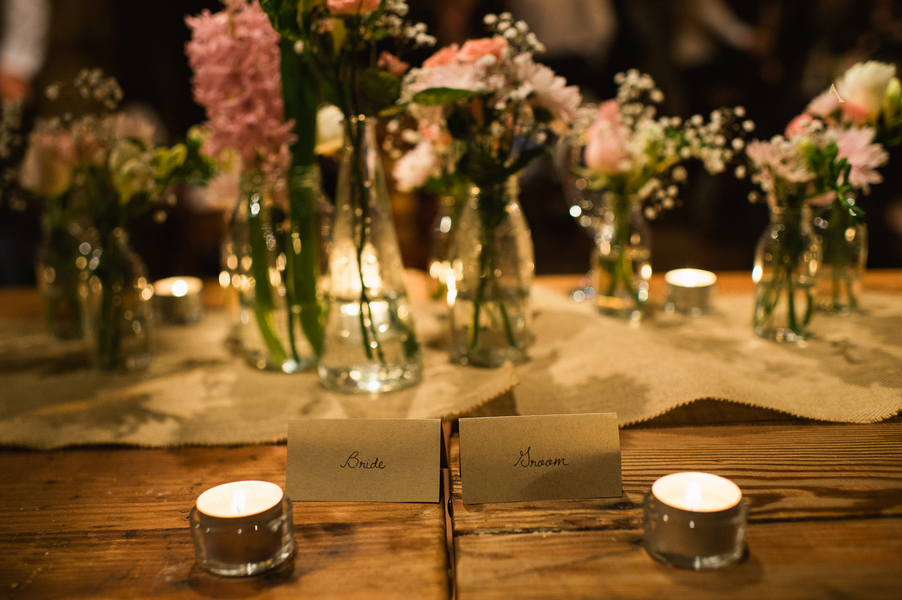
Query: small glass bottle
787, 260
492, 265
621, 263
118, 310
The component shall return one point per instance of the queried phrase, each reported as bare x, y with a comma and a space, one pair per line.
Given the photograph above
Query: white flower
329, 133
415, 168
864, 84
549, 90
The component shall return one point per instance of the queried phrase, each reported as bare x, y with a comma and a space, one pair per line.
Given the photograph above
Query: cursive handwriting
355, 463
526, 461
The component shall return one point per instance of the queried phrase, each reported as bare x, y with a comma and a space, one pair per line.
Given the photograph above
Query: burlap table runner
851, 371
198, 392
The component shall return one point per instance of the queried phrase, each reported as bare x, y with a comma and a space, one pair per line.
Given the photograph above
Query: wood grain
826, 509
112, 523
787, 561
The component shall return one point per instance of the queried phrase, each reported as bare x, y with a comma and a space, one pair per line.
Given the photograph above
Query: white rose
864, 84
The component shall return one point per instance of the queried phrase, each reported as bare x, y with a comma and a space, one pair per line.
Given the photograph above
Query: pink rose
606, 149
473, 50
392, 64
445, 56
352, 7
797, 126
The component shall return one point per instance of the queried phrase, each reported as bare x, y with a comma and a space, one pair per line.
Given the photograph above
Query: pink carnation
352, 7
855, 146
473, 50
235, 58
606, 149
392, 64
445, 56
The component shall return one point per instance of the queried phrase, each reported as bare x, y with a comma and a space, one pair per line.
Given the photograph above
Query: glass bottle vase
270, 331
492, 267
844, 242
370, 343
787, 260
117, 308
60, 269
621, 261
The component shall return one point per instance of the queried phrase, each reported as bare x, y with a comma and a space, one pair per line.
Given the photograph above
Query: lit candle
689, 291
179, 299
695, 521
242, 528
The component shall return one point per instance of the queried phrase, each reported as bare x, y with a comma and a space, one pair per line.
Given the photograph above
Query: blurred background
769, 56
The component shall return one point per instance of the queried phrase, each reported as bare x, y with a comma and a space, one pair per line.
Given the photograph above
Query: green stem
300, 94
264, 303
491, 205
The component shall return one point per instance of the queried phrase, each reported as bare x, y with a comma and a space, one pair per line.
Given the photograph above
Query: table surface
825, 520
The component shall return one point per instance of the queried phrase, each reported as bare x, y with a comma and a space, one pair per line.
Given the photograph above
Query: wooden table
825, 521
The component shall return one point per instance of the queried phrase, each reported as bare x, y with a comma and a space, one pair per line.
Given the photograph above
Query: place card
364, 460
552, 457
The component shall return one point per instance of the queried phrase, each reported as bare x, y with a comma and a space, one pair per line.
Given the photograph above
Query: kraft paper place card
364, 460
553, 457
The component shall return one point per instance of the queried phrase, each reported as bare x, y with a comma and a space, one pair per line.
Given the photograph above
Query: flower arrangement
105, 165
484, 111
104, 168
827, 153
634, 157
485, 108
343, 44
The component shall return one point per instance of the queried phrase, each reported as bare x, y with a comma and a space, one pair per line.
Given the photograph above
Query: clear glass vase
117, 309
61, 267
370, 343
787, 260
621, 261
844, 243
270, 328
493, 263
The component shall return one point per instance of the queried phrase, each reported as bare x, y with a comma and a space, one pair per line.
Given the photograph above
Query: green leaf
284, 17
439, 96
378, 89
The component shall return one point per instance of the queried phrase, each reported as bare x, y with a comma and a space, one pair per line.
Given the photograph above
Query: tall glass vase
271, 333
60, 267
370, 343
845, 250
492, 262
621, 263
787, 260
118, 309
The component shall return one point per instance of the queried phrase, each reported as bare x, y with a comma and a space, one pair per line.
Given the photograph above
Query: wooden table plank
112, 523
800, 560
834, 487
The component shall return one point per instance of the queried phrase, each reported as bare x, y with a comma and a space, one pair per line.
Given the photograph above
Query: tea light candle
179, 299
242, 528
695, 521
689, 291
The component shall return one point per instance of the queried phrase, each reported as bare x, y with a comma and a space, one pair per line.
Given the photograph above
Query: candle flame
693, 496
179, 288
239, 503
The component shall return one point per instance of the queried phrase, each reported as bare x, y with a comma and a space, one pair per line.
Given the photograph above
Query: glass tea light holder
242, 528
689, 291
695, 521
179, 300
